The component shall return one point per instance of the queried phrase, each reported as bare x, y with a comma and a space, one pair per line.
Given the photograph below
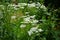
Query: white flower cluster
29, 19
43, 7
31, 5
34, 30
22, 5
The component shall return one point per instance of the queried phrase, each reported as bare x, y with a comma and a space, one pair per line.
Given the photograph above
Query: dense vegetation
29, 20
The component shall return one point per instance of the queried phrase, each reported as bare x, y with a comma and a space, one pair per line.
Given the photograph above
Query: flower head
22, 26
40, 30
31, 5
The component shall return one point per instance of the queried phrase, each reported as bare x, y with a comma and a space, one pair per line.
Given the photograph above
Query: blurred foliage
48, 20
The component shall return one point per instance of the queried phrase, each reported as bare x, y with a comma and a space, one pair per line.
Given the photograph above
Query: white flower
30, 33
40, 30
38, 4
34, 29
31, 5
22, 26
15, 5
11, 5
22, 4
32, 16
13, 17
27, 19
15, 8
43, 7
35, 21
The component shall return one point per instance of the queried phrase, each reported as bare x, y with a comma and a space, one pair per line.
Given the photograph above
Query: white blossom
12, 5
31, 5
30, 33
15, 8
40, 30
32, 30
38, 4
22, 4
32, 16
35, 21
43, 7
27, 19
22, 26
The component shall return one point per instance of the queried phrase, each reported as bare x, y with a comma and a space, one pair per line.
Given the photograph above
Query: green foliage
27, 21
